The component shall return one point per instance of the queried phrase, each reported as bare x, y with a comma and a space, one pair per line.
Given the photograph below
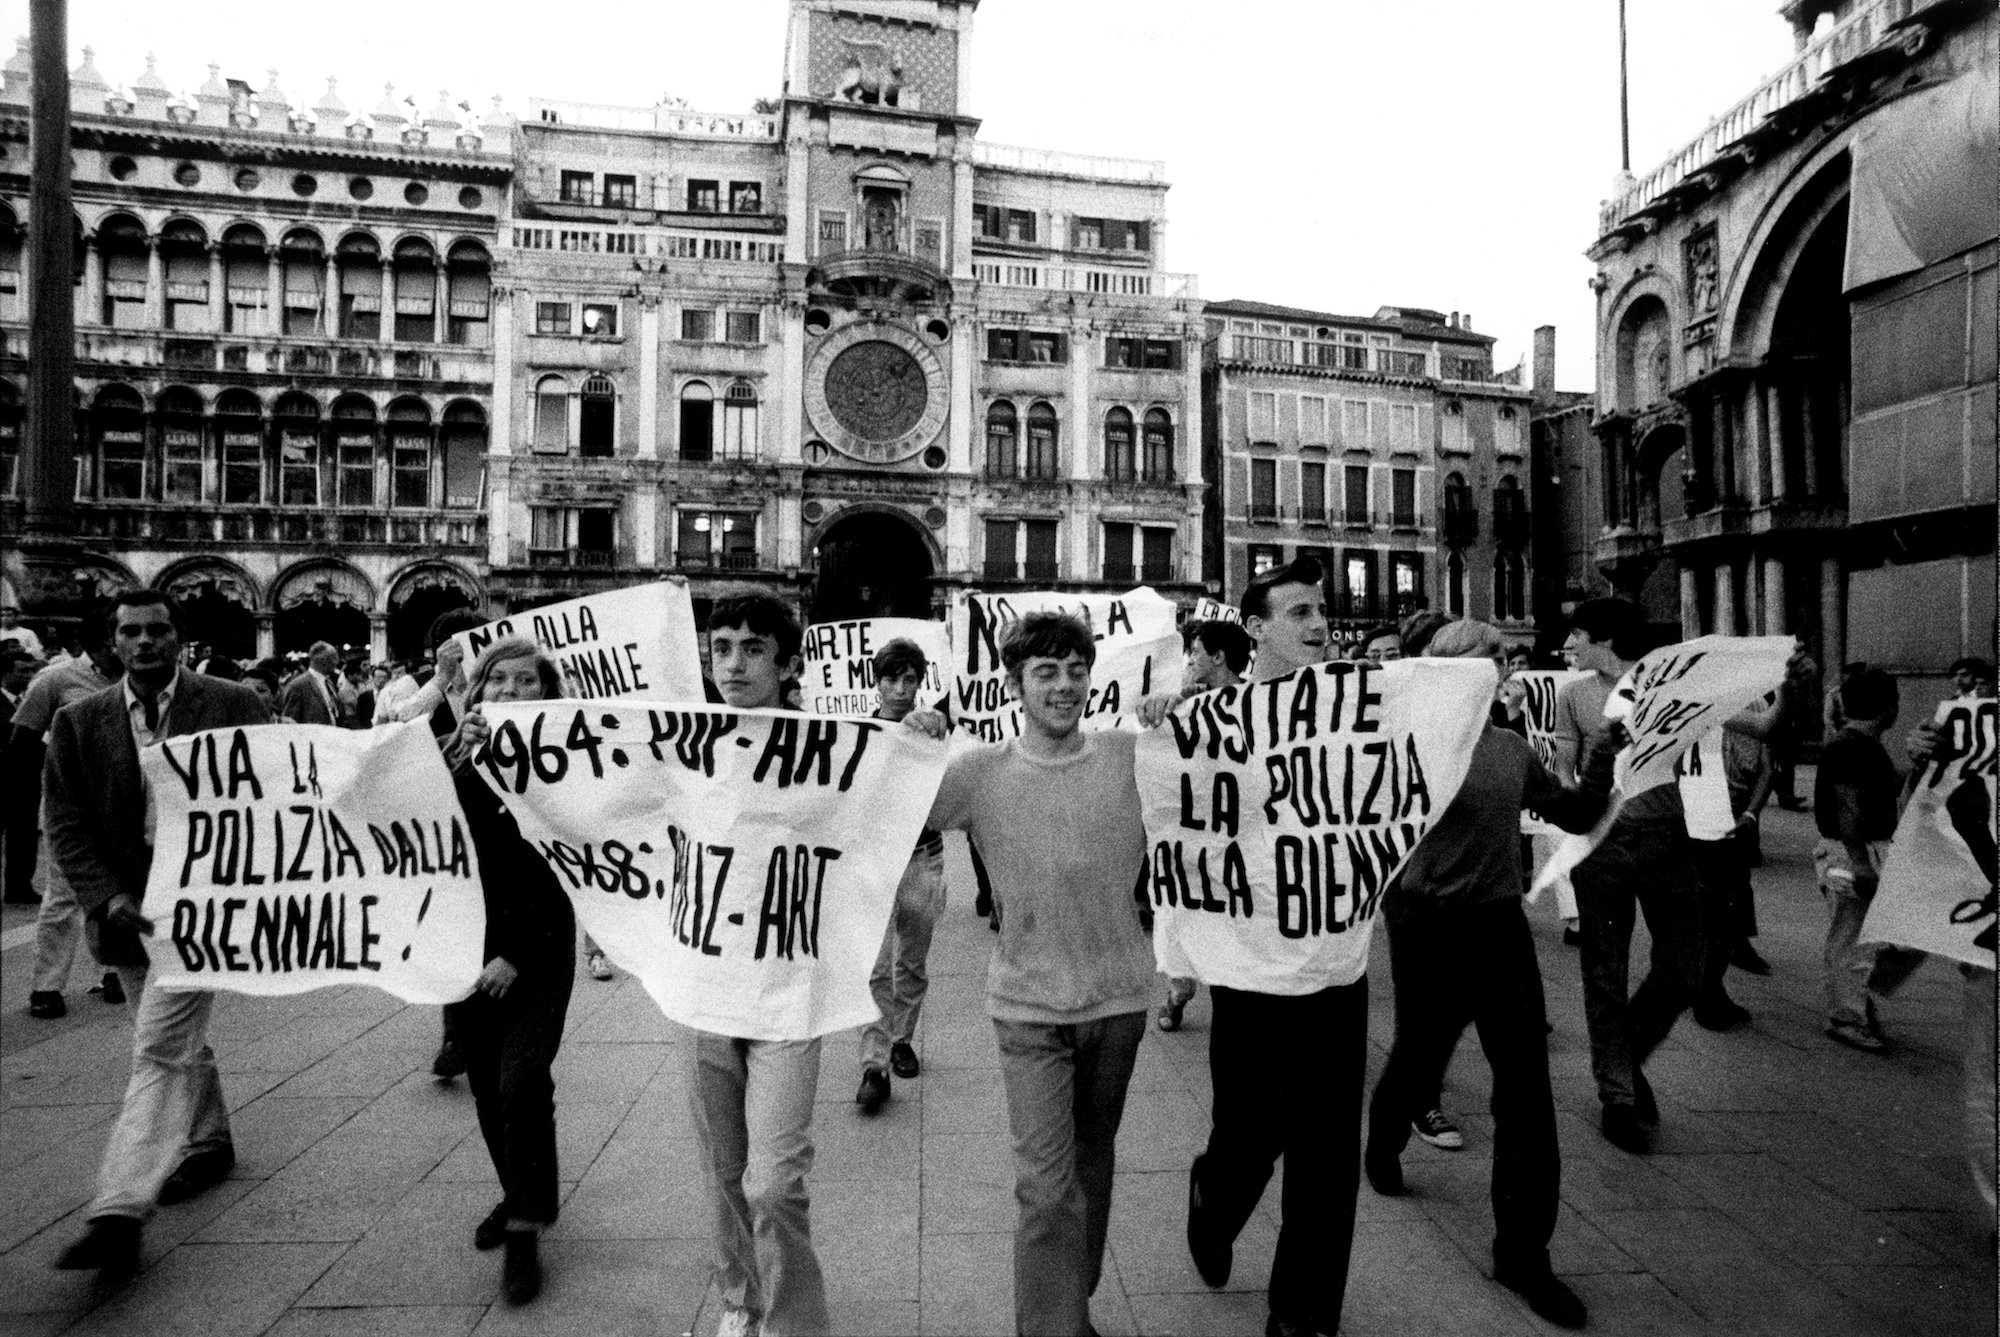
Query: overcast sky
1335, 154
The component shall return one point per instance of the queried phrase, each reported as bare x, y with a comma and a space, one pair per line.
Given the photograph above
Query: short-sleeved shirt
1580, 713
1854, 760
54, 688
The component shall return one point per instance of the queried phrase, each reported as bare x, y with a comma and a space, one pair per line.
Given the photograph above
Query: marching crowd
1053, 817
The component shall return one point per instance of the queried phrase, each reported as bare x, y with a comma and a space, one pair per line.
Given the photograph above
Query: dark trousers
19, 827
1728, 903
509, 1045
1287, 1073
1476, 966
1653, 872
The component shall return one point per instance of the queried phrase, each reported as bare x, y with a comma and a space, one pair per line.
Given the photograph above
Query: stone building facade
1795, 400
284, 363
839, 349
1383, 444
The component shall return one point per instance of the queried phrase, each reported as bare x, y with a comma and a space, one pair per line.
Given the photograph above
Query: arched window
118, 418
410, 453
354, 450
302, 264
1461, 521
1002, 440
697, 422
359, 258
121, 246
739, 422
1454, 583
1509, 595
13, 300
1157, 464
1510, 512
597, 413
246, 276
299, 475
239, 429
1118, 461
416, 270
463, 440
1042, 453
184, 265
551, 415
469, 288
10, 438
177, 419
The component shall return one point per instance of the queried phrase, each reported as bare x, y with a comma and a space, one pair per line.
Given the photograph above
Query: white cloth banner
636, 643
1209, 610
1538, 713
1138, 654
839, 676
1704, 787
1937, 884
1277, 813
295, 857
741, 863
1682, 691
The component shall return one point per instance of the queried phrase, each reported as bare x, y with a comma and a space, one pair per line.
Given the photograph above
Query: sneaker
1546, 1295
47, 1005
903, 1060
599, 968
112, 989
521, 1275
737, 1323
1855, 1035
449, 1062
1622, 1129
874, 1092
1436, 1128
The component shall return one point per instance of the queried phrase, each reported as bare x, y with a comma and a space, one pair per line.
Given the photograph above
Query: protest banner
1937, 888
1680, 692
1538, 713
636, 643
1138, 654
1278, 812
741, 863
1209, 610
289, 858
839, 676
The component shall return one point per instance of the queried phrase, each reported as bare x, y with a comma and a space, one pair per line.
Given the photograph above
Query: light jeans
1065, 1097
899, 978
58, 924
173, 1104
752, 1104
1856, 975
1979, 1119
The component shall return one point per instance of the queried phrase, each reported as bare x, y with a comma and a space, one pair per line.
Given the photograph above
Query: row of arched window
1133, 451
233, 452
585, 418
1510, 584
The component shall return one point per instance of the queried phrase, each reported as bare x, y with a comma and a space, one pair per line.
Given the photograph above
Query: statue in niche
871, 74
1704, 271
880, 220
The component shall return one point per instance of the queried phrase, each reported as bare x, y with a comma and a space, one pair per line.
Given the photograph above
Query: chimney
1545, 359
1453, 322
1465, 320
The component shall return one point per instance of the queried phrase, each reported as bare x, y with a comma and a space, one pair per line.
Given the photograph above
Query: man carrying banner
1057, 811
899, 978
1461, 953
172, 1137
752, 1100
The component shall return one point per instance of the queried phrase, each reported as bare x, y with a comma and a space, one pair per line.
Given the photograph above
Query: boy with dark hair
1381, 645
752, 1100
899, 979
1057, 812
1854, 807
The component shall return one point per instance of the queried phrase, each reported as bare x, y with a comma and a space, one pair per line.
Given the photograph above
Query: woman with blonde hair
511, 1026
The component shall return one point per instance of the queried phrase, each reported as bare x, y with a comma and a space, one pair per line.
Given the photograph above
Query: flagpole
1624, 107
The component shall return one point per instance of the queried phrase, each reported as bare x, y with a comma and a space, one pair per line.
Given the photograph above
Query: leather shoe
113, 988
47, 1005
449, 1063
1746, 959
1284, 1327
1385, 1174
1643, 1099
874, 1092
111, 1244
1546, 1295
491, 1232
1211, 1253
903, 1060
197, 1175
1623, 1130
521, 1275
1720, 1014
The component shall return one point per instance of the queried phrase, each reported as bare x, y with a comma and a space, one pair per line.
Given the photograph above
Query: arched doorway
871, 564
218, 606
323, 602
419, 598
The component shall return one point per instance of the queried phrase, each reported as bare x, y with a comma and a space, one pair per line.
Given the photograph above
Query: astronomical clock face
876, 392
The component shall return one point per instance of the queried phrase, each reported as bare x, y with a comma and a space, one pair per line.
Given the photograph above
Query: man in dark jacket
172, 1137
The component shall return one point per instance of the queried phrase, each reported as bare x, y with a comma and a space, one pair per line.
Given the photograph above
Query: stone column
274, 292
90, 297
1774, 596
1774, 419
387, 332
649, 377
646, 528
1758, 407
441, 306
500, 309
958, 422
791, 405
1081, 421
329, 299
1809, 426
1725, 599
267, 634
1832, 615
156, 286
1690, 604
218, 292
378, 637
1188, 430
1722, 412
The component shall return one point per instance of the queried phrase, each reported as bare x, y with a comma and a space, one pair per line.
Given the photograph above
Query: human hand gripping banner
636, 643
1277, 813
741, 863
288, 858
839, 677
1138, 654
1937, 888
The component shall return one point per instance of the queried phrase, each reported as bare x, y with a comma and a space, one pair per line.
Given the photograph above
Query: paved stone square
1797, 1187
